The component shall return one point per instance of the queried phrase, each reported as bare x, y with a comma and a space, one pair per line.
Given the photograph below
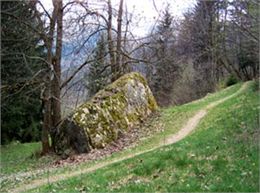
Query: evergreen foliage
164, 70
99, 72
20, 101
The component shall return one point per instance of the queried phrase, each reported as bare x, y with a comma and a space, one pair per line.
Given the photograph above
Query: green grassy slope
24, 154
158, 170
221, 155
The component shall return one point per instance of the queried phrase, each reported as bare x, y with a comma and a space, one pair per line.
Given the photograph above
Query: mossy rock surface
113, 110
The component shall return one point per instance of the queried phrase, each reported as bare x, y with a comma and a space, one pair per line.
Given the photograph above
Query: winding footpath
190, 125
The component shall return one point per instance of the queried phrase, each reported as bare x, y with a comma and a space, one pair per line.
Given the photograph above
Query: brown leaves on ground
126, 140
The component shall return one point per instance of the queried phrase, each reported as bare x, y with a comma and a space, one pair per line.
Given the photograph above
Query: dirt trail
193, 121
182, 133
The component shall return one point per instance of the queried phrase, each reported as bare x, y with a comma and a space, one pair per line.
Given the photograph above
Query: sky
150, 9
146, 11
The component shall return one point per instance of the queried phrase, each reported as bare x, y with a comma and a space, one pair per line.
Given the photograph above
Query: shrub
231, 80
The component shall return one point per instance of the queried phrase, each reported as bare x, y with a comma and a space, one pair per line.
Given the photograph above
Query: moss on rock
113, 110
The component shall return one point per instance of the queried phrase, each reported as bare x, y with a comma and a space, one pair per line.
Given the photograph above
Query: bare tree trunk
46, 118
224, 58
118, 66
46, 99
56, 82
110, 39
125, 65
47, 107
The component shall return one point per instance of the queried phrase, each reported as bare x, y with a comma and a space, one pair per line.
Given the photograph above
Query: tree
98, 76
51, 88
53, 44
217, 40
50, 82
21, 74
231, 34
203, 43
164, 71
115, 54
245, 27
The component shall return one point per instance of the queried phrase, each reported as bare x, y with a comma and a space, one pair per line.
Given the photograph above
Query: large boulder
111, 112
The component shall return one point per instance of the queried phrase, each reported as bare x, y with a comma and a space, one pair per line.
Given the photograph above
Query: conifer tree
20, 74
99, 73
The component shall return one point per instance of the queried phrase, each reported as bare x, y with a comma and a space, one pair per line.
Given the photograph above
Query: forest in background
53, 60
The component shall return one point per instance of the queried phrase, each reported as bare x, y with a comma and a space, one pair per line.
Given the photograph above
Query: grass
17, 158
170, 119
221, 156
24, 154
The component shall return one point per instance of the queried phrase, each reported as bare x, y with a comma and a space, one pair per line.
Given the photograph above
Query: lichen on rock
113, 110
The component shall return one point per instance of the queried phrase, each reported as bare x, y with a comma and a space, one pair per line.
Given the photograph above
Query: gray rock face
113, 110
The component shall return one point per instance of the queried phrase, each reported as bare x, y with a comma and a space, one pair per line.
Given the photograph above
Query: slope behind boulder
114, 110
